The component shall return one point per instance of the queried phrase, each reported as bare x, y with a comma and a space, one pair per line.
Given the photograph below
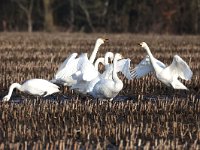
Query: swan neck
107, 56
12, 87
149, 52
115, 77
153, 62
94, 53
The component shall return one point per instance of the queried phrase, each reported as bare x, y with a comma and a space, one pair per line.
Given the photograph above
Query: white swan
84, 86
166, 74
39, 87
70, 65
108, 88
89, 74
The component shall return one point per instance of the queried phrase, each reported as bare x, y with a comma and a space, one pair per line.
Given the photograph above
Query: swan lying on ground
38, 87
166, 74
108, 88
70, 65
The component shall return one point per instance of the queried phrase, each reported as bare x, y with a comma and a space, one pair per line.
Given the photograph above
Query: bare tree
197, 15
71, 15
48, 15
26, 7
87, 14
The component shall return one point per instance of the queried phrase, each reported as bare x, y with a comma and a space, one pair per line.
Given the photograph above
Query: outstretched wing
179, 68
67, 68
123, 66
145, 67
67, 61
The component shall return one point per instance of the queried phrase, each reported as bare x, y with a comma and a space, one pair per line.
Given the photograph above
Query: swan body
72, 65
166, 74
84, 86
38, 87
122, 65
108, 88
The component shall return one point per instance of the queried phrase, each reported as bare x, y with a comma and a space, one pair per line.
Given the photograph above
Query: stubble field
146, 114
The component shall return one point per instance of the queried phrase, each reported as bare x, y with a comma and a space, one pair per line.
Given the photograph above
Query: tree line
136, 16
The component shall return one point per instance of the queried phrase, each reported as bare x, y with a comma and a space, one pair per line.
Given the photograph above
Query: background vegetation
146, 16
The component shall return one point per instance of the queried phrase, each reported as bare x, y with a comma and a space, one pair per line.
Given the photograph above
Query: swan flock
81, 73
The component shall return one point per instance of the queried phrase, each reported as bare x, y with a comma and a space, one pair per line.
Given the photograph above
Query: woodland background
114, 16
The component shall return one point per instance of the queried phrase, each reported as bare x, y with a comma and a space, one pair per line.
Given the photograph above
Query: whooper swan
166, 74
108, 88
70, 65
38, 87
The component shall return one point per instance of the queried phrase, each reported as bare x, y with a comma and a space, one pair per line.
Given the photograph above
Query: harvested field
146, 114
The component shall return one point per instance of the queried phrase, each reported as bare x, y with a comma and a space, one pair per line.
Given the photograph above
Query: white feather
39, 87
167, 75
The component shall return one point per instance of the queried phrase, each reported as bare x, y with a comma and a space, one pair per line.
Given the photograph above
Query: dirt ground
146, 114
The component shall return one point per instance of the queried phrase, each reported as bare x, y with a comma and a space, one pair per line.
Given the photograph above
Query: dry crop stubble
153, 117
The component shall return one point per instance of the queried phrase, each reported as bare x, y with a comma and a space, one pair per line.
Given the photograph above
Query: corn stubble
153, 116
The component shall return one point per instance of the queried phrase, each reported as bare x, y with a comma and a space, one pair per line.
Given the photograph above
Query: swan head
6, 98
143, 44
101, 41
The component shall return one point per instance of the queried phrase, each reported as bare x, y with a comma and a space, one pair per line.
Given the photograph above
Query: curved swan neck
12, 87
108, 55
148, 52
156, 67
94, 53
115, 77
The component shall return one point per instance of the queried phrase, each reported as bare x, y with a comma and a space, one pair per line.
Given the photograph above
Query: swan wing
67, 60
123, 66
145, 67
86, 70
65, 75
67, 68
179, 68
89, 72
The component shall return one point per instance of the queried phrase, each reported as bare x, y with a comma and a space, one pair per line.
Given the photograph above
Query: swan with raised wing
166, 74
73, 64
